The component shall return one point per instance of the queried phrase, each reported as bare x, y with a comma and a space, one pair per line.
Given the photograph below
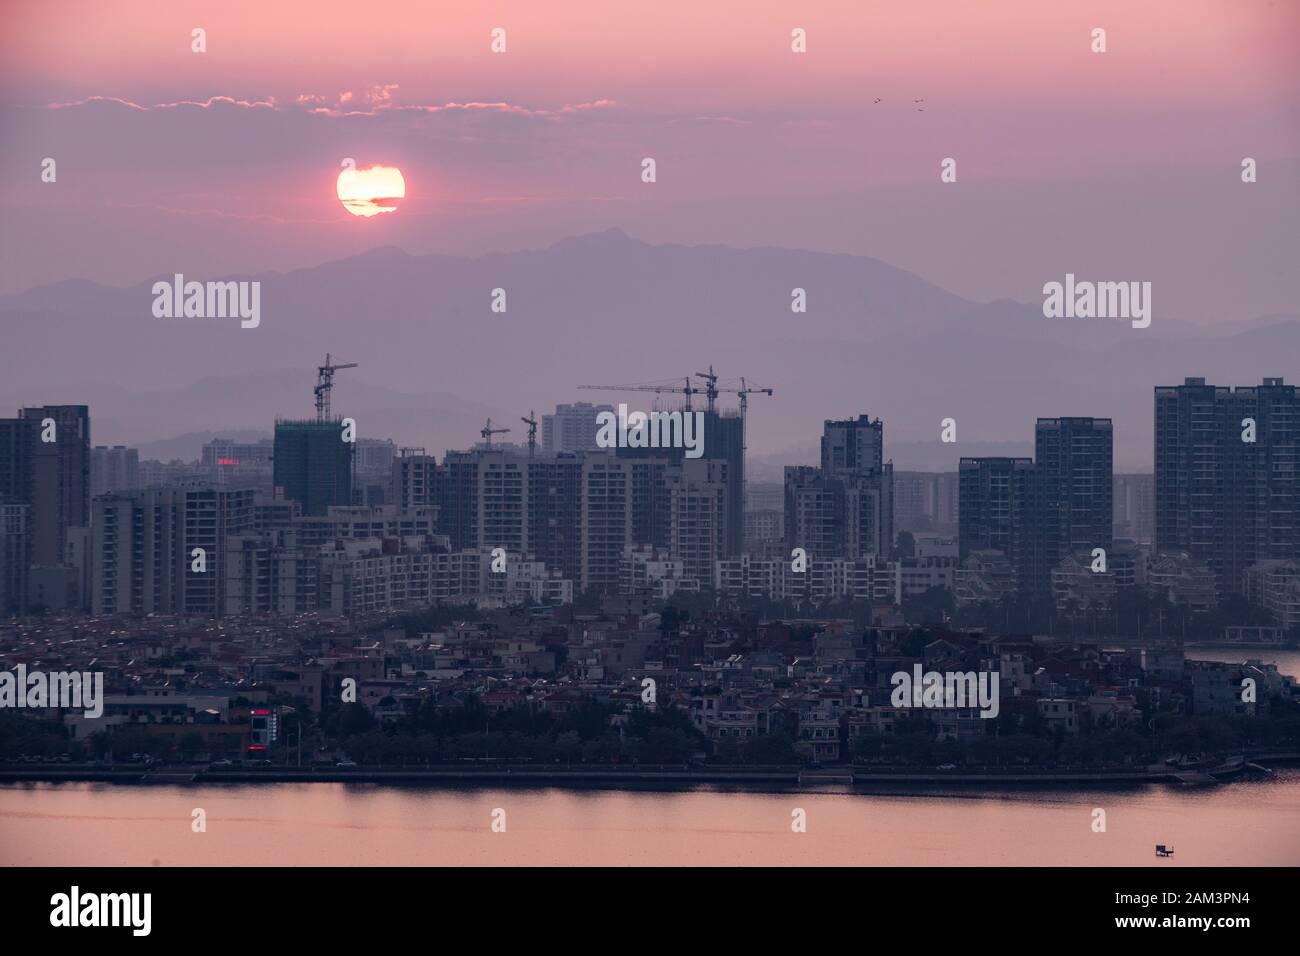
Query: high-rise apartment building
375, 456
853, 447
1135, 507
698, 497
606, 530
17, 436
1037, 513
143, 549
998, 504
48, 467
925, 500
113, 468
209, 516
723, 439
505, 498
15, 551
1228, 475
572, 427
845, 508
415, 479
814, 512
1073, 462
555, 512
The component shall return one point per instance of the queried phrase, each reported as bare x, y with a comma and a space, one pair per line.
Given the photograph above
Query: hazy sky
1124, 165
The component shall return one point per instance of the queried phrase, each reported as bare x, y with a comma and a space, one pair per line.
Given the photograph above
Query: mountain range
435, 360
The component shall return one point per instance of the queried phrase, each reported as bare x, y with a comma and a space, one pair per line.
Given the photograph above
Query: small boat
1162, 850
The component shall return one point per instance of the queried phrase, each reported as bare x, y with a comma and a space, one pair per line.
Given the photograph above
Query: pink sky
754, 143
670, 56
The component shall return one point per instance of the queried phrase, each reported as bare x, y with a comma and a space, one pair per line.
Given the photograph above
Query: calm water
1246, 823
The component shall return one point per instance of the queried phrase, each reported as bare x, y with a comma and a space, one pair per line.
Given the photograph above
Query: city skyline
738, 434
593, 518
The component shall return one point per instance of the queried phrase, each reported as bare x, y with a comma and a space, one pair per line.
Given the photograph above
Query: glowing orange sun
368, 192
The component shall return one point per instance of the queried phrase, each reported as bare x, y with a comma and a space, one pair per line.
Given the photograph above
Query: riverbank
760, 779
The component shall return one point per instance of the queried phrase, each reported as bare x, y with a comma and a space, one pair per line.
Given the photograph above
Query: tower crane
487, 431
710, 386
712, 391
745, 391
324, 383
687, 389
531, 422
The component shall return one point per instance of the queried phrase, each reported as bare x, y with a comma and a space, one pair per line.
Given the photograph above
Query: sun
368, 192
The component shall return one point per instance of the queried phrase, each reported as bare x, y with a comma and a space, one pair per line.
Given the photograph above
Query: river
1246, 823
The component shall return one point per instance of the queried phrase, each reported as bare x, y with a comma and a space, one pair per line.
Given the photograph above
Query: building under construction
724, 440
313, 464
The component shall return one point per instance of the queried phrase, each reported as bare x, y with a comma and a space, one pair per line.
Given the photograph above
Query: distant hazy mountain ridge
435, 360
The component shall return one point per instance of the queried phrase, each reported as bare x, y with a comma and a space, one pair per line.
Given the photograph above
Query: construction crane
488, 431
712, 391
688, 389
710, 386
745, 391
531, 422
324, 383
